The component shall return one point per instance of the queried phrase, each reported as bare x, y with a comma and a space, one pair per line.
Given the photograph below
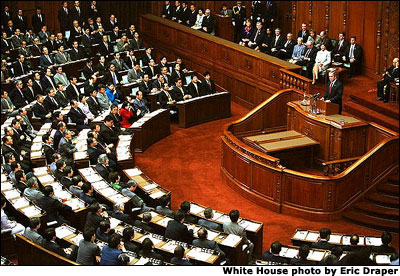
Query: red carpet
188, 164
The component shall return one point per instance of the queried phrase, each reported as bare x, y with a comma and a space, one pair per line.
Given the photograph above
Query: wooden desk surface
288, 144
271, 136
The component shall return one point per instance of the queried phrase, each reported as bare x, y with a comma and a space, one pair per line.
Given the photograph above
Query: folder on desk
231, 240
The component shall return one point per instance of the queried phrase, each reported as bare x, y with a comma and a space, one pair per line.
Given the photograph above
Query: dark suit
356, 65
61, 98
109, 79
327, 42
94, 106
322, 245
339, 51
286, 51
53, 207
50, 105
238, 17
208, 22
71, 93
40, 111
45, 82
54, 247
103, 171
108, 135
204, 243
114, 36
163, 98
93, 220
268, 256
78, 118
94, 153
207, 89
178, 93
76, 54
64, 20
383, 86
102, 69
257, 37
312, 54
51, 45
77, 15
335, 94
46, 62
178, 231
20, 23
37, 24
192, 18
146, 59
37, 88
193, 91
277, 43
48, 152
109, 26
304, 35
136, 45
36, 50
150, 72
167, 11
17, 98
29, 94
88, 71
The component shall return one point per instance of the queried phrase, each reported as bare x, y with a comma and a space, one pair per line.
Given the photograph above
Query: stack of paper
119, 198
77, 239
311, 236
20, 203
36, 154
94, 178
224, 218
114, 222
373, 241
79, 155
31, 211
36, 147
157, 194
291, 253
133, 172
6, 186
12, 194
75, 204
300, 234
100, 185
249, 225
316, 256
63, 231
149, 187
212, 235
164, 221
46, 179
107, 192
196, 254
335, 238
142, 261
196, 209
40, 171
231, 240
382, 259
169, 246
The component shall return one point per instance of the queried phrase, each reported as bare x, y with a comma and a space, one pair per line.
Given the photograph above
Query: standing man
383, 85
64, 17
238, 20
334, 91
353, 56
38, 20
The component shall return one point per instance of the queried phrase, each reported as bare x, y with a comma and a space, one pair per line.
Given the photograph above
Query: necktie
351, 51
22, 67
168, 95
179, 74
114, 78
20, 18
76, 90
8, 104
51, 82
49, 59
276, 40
40, 17
308, 52
256, 35
330, 88
54, 101
180, 88
66, 10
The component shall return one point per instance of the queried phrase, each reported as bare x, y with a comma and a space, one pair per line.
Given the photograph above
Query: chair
7, 243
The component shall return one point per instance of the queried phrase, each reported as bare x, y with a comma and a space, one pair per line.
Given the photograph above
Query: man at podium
334, 91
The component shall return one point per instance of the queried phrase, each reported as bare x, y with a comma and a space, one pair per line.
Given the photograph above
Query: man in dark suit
272, 255
107, 133
303, 33
38, 20
179, 91
353, 55
136, 42
386, 239
28, 91
6, 15
323, 240
76, 13
194, 87
37, 85
147, 57
277, 42
46, 60
64, 17
238, 19
94, 150
340, 48
167, 10
20, 21
203, 242
191, 21
50, 102
270, 12
36, 49
93, 103
286, 51
102, 66
48, 148
51, 44
208, 24
166, 97
301, 258
111, 76
61, 96
49, 242
354, 246
88, 70
257, 37
53, 206
86, 42
334, 91
105, 47
48, 82
130, 59
179, 257
115, 34
176, 230
325, 40
72, 90
208, 85
152, 70
77, 116
308, 59
40, 111
102, 166
20, 67
383, 86
111, 23
17, 96
76, 53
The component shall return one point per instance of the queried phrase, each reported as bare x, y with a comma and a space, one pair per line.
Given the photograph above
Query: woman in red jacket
128, 115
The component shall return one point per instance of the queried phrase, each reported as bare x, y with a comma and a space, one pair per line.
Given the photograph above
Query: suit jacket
119, 65
36, 50
25, 51
51, 45
167, 11
178, 93
94, 153
163, 98
136, 45
94, 106
312, 55
93, 220
146, 59
210, 224
43, 37
74, 35
178, 231
71, 93
48, 152
77, 116
88, 88
322, 245
62, 58
140, 105
37, 24
153, 72
102, 170
335, 96
108, 135
61, 79
20, 23
86, 41
207, 89
342, 50
40, 111
88, 72
145, 87
17, 98
109, 79
208, 22
268, 256
327, 42
66, 148
192, 18
102, 69
193, 91
5, 105
109, 26
52, 207
103, 50
279, 43
305, 36
357, 52
33, 235
29, 94
46, 62
260, 37
64, 19
50, 105
16, 40
204, 243
53, 247
130, 63
18, 69
45, 82
76, 55
75, 15
134, 75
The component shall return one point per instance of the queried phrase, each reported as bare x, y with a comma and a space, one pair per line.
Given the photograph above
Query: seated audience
31, 232
385, 247
353, 247
163, 207
53, 206
208, 214
176, 230
147, 250
272, 255
88, 251
203, 242
301, 258
49, 242
128, 236
111, 252
353, 56
323, 240
179, 257
383, 86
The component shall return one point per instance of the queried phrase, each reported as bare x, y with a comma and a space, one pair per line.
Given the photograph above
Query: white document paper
94, 178
154, 240
231, 240
63, 231
46, 179
196, 253
142, 261
316, 255
75, 204
6, 186
157, 195
36, 154
149, 187
312, 236
224, 218
119, 198
346, 240
300, 235
77, 239
40, 171
382, 259
249, 225
291, 253
114, 222
196, 209
164, 221
335, 238
373, 241
31, 211
79, 155
212, 235
12, 194
100, 185
169, 246
20, 202
107, 192
133, 172
36, 146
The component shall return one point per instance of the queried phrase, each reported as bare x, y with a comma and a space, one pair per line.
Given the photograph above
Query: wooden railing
337, 166
290, 79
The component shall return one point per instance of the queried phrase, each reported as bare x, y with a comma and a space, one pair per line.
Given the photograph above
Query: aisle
188, 164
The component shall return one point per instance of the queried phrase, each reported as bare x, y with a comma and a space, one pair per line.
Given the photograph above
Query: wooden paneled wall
127, 12
374, 23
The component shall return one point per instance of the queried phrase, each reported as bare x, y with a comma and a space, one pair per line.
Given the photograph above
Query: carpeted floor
188, 164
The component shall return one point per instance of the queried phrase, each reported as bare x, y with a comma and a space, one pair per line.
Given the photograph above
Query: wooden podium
324, 107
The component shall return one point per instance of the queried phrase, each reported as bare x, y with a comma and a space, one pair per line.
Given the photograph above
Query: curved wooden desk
261, 177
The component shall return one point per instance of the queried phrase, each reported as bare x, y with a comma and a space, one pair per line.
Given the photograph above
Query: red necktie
330, 88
